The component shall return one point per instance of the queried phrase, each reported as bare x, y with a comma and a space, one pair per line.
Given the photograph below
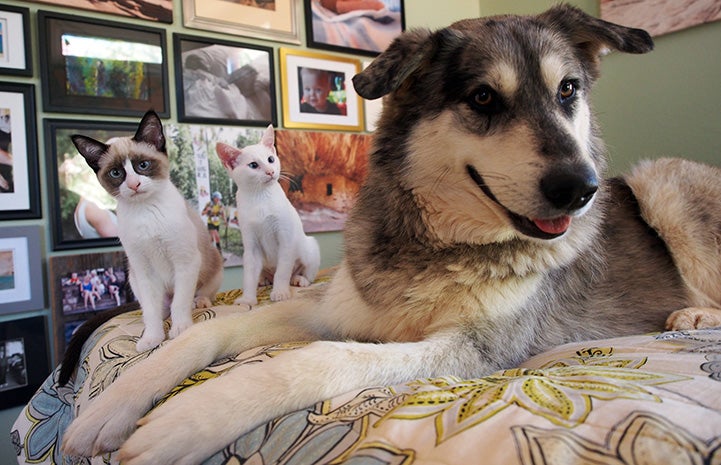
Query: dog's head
487, 122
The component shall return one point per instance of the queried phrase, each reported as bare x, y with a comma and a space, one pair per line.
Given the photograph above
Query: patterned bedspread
646, 399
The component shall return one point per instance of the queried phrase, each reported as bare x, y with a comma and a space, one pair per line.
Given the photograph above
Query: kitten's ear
268, 138
90, 149
150, 131
228, 155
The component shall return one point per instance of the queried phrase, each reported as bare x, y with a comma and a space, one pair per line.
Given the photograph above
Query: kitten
274, 243
173, 265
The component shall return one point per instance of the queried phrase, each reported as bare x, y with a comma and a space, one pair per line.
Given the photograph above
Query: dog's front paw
694, 318
102, 428
171, 436
178, 328
149, 341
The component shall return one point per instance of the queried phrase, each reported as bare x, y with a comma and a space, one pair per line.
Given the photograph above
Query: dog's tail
81, 335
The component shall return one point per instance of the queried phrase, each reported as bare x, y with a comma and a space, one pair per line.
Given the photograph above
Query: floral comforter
646, 399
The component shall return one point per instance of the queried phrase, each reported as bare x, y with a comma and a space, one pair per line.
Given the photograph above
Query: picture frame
339, 107
21, 275
156, 10
19, 186
15, 50
102, 67
222, 82
82, 286
25, 360
279, 24
77, 199
347, 27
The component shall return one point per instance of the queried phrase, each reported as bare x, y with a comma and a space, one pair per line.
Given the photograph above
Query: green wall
665, 103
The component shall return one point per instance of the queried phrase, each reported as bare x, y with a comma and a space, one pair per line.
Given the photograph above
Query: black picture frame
19, 186
96, 84
15, 51
62, 158
27, 366
360, 32
223, 82
69, 306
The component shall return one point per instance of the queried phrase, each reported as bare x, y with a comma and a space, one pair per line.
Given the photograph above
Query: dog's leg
694, 318
112, 417
193, 425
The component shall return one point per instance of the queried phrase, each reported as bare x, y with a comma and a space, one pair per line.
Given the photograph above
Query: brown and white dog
485, 233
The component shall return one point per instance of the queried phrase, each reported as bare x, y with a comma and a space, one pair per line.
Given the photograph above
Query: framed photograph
23, 360
15, 55
19, 186
154, 10
198, 173
364, 27
82, 285
223, 82
659, 17
325, 171
275, 20
101, 67
21, 275
318, 92
83, 213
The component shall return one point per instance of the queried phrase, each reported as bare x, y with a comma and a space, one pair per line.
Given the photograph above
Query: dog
484, 233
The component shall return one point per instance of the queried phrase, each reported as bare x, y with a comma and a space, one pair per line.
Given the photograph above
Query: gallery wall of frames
212, 74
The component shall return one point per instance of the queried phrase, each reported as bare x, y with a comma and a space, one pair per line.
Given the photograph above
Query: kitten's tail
81, 335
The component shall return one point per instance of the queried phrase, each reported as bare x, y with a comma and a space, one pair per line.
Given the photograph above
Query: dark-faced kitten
173, 265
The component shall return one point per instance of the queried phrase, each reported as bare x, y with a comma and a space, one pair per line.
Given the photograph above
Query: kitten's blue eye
115, 173
144, 165
253, 165
271, 159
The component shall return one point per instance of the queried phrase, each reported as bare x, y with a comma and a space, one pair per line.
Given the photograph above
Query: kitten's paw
149, 341
178, 328
203, 302
694, 318
277, 295
243, 300
300, 281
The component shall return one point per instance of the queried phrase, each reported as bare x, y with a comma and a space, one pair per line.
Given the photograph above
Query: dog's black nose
569, 190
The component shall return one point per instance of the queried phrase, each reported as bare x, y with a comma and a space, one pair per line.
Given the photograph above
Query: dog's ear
595, 37
402, 57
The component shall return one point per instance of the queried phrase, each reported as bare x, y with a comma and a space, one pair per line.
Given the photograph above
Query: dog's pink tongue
554, 226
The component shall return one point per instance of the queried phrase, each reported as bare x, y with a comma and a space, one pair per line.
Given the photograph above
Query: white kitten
171, 259
274, 243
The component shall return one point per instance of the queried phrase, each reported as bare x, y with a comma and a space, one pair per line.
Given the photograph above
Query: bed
644, 399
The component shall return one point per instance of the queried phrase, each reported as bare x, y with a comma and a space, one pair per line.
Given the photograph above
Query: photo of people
227, 82
7, 269
90, 283
13, 373
6, 157
321, 91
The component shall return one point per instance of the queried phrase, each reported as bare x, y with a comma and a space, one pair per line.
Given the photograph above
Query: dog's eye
566, 91
486, 100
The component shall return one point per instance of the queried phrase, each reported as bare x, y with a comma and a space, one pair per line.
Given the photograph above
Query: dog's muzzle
567, 191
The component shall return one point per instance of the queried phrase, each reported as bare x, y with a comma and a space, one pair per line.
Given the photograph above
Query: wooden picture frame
76, 196
83, 285
25, 360
19, 186
222, 82
15, 50
21, 275
279, 24
342, 109
102, 67
352, 29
